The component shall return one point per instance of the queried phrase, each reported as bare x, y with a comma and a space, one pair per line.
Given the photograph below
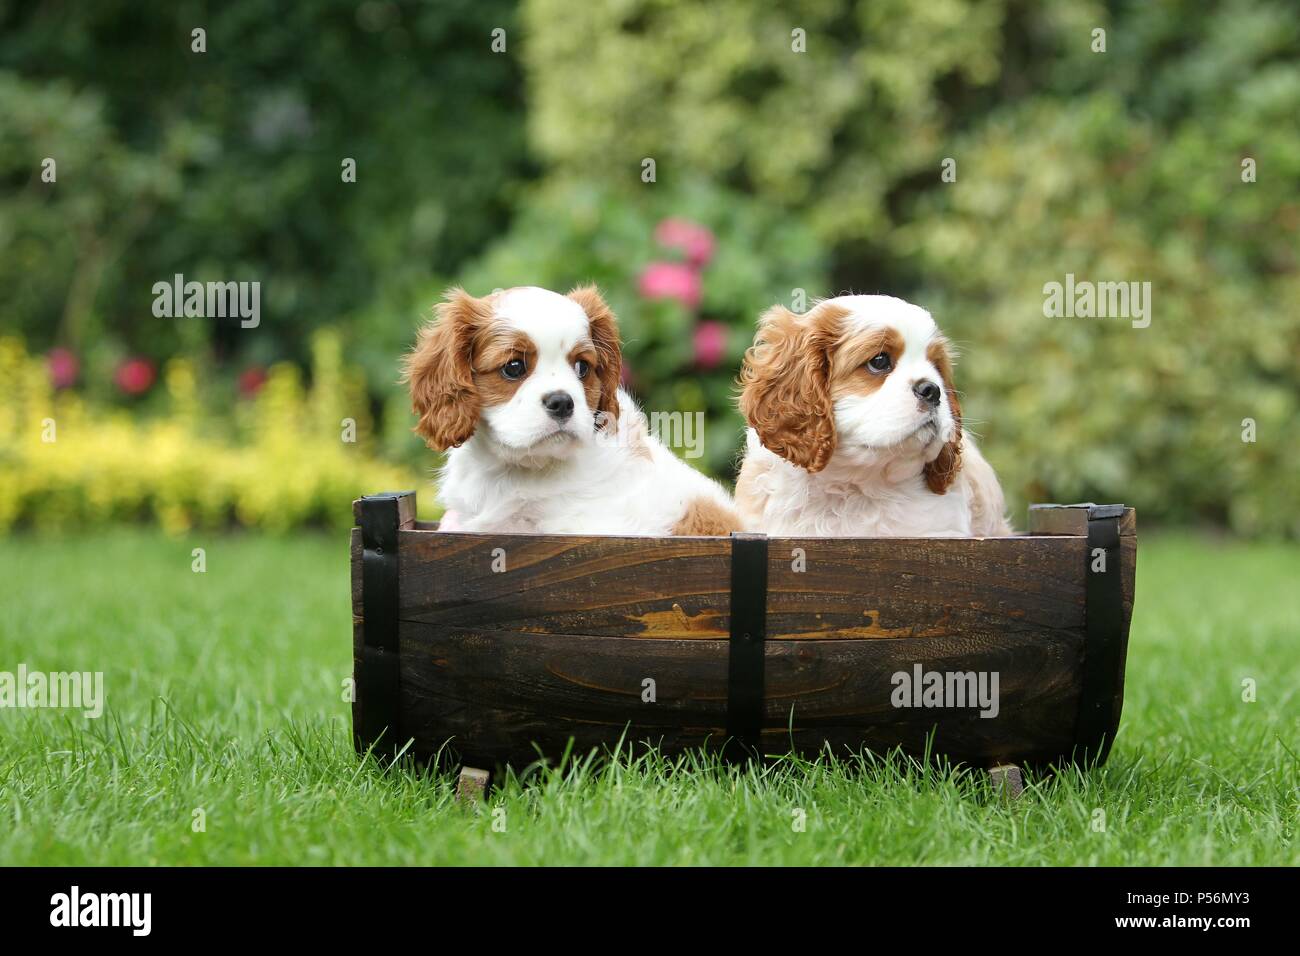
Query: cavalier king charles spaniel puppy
523, 387
855, 428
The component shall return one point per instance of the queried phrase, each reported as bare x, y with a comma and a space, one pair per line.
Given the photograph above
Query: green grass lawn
224, 694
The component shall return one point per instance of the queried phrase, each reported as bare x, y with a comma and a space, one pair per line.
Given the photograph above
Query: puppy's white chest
844, 510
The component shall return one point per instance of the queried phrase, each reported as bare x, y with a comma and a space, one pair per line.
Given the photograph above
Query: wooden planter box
507, 646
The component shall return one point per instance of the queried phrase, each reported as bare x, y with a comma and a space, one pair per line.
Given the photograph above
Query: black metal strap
748, 632
1101, 695
378, 684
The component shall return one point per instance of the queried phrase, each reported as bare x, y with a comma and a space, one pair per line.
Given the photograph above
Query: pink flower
671, 280
695, 241
710, 344
63, 368
251, 380
134, 376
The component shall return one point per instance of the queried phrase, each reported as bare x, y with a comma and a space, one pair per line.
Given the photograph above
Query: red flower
671, 280
693, 240
251, 380
63, 368
710, 344
134, 376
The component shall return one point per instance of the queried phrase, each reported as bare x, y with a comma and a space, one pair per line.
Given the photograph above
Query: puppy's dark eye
582, 367
514, 369
880, 364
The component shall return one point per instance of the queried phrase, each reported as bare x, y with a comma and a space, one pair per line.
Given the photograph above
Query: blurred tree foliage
228, 164
817, 170
1123, 165
714, 88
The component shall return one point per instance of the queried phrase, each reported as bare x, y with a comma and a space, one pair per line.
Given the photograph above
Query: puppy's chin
904, 448
552, 445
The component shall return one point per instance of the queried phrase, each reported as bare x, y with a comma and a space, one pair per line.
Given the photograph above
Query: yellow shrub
295, 456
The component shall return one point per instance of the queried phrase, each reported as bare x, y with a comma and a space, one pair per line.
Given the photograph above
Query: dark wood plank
405, 509
914, 588
494, 694
678, 588
1128, 554
654, 588
499, 662
843, 691
1073, 520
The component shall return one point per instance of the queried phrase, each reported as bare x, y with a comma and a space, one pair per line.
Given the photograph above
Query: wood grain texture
1073, 519
679, 588
655, 588
493, 694
842, 692
405, 508
555, 649
912, 588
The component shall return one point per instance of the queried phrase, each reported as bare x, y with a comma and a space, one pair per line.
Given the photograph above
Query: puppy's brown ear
942, 472
440, 373
609, 353
785, 384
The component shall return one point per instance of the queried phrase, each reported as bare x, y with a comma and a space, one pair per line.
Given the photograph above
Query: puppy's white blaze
548, 318
868, 312
555, 324
881, 428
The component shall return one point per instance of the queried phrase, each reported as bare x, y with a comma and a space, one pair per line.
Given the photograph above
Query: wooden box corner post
746, 647
1110, 562
376, 651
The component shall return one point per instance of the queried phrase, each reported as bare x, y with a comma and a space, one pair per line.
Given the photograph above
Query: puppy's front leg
450, 521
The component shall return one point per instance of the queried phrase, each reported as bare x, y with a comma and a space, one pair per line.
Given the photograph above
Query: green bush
712, 88
1092, 408
1116, 165
1140, 179
226, 165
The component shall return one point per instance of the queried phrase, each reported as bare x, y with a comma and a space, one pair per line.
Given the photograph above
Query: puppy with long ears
855, 428
522, 387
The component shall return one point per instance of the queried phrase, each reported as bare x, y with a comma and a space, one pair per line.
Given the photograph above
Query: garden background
174, 492
775, 171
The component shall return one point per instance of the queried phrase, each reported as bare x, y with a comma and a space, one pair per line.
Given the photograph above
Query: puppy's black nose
927, 392
559, 405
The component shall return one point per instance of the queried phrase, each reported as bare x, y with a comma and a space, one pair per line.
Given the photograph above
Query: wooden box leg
1008, 781
471, 786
